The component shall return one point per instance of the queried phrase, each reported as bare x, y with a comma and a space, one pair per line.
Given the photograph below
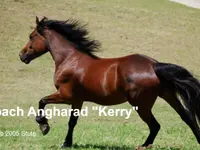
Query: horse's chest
61, 76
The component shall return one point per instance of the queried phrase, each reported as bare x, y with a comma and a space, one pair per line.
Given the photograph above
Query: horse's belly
112, 99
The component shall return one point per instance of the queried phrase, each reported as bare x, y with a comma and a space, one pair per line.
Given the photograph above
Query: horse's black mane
74, 32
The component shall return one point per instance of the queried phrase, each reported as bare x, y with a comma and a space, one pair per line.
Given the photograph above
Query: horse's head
36, 45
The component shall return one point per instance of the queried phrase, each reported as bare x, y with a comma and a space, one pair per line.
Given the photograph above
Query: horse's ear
37, 20
44, 19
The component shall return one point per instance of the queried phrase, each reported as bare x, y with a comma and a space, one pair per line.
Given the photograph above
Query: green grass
164, 30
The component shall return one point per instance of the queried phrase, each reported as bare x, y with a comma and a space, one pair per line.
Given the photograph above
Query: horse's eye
30, 37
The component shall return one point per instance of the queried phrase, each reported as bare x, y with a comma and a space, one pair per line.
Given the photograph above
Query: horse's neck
59, 47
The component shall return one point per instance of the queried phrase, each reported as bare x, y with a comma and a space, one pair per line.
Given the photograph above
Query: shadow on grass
167, 148
112, 147
122, 147
102, 147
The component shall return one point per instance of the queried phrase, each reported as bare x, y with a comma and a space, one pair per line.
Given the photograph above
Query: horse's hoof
44, 128
150, 146
140, 148
144, 147
66, 145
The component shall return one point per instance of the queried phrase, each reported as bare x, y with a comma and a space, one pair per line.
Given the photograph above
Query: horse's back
108, 75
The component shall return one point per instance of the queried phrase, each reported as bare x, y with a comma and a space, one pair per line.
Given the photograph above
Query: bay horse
81, 76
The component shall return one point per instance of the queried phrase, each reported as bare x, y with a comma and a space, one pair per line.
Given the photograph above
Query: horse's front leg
72, 123
41, 119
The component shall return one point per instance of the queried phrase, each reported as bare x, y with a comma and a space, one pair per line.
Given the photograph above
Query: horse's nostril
20, 54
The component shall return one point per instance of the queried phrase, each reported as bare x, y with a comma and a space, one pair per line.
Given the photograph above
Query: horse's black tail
183, 83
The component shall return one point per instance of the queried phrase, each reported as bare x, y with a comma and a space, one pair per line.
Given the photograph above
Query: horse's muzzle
24, 58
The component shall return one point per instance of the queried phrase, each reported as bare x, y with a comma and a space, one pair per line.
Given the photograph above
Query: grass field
164, 30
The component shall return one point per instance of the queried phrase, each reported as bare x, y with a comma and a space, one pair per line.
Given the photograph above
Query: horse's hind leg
145, 103
154, 126
185, 115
